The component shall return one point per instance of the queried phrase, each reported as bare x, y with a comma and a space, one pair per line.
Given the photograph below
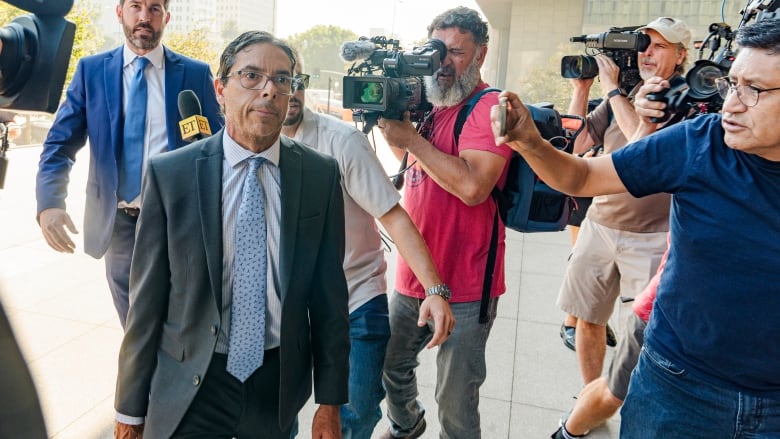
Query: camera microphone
193, 125
354, 50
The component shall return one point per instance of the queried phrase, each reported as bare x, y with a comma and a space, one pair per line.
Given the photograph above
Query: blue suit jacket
93, 109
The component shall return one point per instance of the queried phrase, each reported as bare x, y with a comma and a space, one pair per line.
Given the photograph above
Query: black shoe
611, 339
558, 434
567, 335
562, 433
419, 429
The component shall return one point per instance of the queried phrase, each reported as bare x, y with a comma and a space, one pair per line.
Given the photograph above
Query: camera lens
701, 79
579, 66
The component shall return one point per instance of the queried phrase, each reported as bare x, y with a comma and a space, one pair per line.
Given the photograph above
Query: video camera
35, 55
33, 62
698, 93
619, 43
388, 81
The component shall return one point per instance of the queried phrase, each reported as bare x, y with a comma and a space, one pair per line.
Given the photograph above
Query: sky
407, 18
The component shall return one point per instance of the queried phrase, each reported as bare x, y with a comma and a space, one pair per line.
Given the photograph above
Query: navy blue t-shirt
717, 313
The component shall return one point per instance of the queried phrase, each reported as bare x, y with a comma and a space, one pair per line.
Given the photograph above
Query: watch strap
439, 290
615, 92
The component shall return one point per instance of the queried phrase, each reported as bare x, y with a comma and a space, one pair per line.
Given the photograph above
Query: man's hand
609, 73
126, 431
53, 222
398, 133
326, 423
436, 308
647, 109
521, 133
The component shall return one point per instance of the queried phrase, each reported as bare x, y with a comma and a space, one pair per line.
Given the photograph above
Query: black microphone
353, 50
57, 8
193, 125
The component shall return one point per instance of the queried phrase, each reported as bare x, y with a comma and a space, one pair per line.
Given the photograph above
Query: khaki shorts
626, 356
605, 264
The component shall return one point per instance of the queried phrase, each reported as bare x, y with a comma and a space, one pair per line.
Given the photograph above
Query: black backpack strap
463, 114
491, 263
465, 110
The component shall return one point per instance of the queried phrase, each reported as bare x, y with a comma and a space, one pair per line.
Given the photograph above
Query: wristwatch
439, 290
615, 92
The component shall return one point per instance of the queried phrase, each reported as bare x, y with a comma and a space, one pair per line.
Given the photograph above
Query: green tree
89, 36
195, 44
319, 47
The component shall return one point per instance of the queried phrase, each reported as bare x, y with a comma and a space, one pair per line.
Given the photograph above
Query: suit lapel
112, 80
209, 181
290, 168
174, 78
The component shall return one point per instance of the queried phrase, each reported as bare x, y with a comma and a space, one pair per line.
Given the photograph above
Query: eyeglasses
301, 81
253, 80
747, 94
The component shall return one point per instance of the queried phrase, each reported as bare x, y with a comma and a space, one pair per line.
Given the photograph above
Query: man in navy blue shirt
709, 364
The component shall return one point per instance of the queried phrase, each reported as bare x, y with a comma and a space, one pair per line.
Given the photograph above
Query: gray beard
455, 94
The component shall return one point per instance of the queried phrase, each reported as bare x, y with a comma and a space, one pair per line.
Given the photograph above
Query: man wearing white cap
623, 238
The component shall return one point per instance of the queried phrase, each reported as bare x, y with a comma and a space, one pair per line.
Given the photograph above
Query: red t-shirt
457, 235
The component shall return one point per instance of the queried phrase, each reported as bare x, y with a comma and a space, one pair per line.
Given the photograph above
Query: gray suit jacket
176, 285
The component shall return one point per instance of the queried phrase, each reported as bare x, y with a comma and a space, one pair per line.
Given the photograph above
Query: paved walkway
64, 319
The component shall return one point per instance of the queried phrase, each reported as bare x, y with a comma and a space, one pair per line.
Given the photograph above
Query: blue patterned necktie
133, 135
250, 266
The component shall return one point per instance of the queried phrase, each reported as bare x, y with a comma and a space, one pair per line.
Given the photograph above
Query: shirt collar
156, 56
235, 153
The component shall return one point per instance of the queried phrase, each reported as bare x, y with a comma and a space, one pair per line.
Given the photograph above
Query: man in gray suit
175, 373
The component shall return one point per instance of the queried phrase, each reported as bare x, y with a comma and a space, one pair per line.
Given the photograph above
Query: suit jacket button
214, 330
195, 380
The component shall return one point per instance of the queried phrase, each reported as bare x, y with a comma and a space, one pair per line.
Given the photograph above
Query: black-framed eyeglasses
747, 94
254, 80
301, 82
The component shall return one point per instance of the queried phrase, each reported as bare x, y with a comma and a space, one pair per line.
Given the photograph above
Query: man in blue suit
101, 102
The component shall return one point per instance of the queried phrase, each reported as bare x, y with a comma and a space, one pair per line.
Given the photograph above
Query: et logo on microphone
194, 127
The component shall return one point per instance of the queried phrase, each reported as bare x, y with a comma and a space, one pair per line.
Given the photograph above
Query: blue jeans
369, 331
460, 364
664, 400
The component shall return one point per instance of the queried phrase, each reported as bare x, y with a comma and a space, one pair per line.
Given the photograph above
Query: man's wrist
615, 92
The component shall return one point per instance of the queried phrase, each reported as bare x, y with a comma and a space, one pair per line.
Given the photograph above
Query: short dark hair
247, 39
165, 3
763, 34
465, 19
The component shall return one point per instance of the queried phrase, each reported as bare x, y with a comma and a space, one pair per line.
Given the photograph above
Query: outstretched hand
521, 133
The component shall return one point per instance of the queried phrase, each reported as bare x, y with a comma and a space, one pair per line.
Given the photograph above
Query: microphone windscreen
353, 50
189, 104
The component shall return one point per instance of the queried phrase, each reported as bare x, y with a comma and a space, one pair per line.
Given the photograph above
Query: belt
130, 211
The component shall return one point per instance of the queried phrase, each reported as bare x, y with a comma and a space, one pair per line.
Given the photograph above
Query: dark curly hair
465, 19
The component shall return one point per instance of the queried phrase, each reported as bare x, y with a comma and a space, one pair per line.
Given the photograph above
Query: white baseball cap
673, 30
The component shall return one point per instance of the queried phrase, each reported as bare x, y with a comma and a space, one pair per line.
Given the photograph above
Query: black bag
526, 203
